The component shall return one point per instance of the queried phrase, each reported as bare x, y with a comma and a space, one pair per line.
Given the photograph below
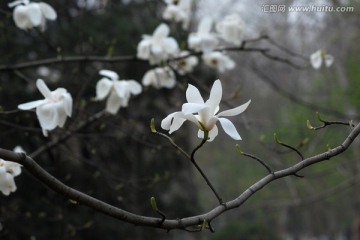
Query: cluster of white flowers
159, 48
178, 11
32, 14
9, 170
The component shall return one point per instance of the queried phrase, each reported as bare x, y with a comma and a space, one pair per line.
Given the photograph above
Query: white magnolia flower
186, 64
159, 77
158, 47
203, 39
204, 114
28, 14
231, 29
178, 11
8, 170
53, 110
119, 91
219, 61
320, 56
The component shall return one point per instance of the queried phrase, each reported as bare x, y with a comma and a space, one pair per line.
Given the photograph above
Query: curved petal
7, 183
205, 25
170, 46
48, 11
134, 87
161, 31
235, 111
121, 88
188, 108
31, 105
143, 49
48, 116
34, 13
176, 124
211, 135
103, 88
193, 95
13, 168
113, 103
45, 91
229, 128
316, 59
329, 59
166, 122
110, 74
215, 96
21, 18
68, 104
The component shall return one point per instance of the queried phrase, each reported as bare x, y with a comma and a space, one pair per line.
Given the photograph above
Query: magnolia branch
194, 221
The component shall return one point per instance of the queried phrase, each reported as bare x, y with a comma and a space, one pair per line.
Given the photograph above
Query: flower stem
192, 159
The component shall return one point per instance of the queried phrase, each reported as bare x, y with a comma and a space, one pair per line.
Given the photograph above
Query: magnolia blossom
159, 77
317, 58
9, 170
204, 114
219, 61
119, 91
231, 29
158, 47
185, 64
178, 11
28, 14
203, 39
53, 110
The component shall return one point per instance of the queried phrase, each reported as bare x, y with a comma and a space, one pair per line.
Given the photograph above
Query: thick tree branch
193, 221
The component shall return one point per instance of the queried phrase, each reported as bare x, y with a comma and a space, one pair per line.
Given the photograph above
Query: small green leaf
152, 125
308, 124
153, 204
238, 148
276, 139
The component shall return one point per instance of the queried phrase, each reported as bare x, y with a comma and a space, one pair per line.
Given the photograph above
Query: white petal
34, 13
166, 122
31, 105
121, 88
176, 123
48, 115
229, 128
134, 87
103, 88
113, 103
329, 59
45, 91
21, 17
211, 135
205, 25
161, 31
316, 59
235, 111
68, 104
193, 95
188, 108
48, 11
143, 49
215, 96
110, 74
171, 46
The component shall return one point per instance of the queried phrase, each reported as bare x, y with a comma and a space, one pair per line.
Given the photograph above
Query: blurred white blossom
231, 29
203, 39
186, 64
204, 114
320, 56
9, 170
161, 77
119, 91
32, 14
178, 11
157, 47
53, 110
219, 61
